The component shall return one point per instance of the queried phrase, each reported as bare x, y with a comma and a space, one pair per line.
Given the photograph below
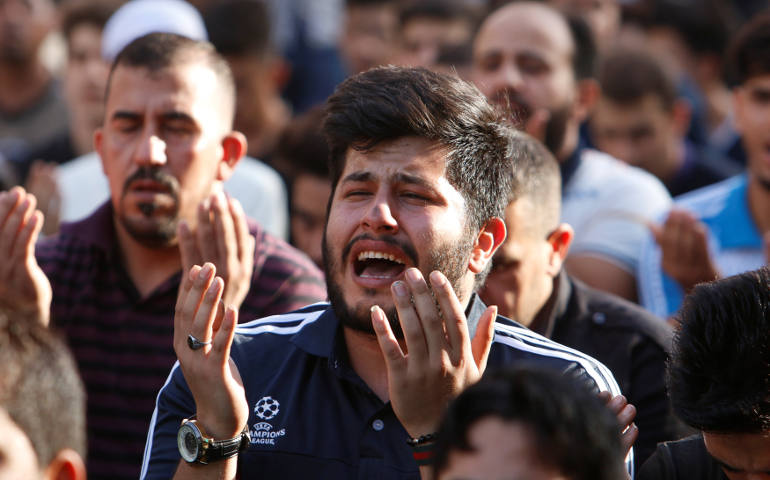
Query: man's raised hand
440, 359
685, 256
222, 237
24, 288
212, 376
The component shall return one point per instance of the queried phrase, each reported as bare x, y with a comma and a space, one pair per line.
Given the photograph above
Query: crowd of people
407, 239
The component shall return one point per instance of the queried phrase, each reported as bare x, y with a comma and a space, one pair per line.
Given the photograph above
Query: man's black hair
719, 371
388, 103
535, 176
626, 75
573, 431
442, 10
239, 27
158, 51
585, 54
40, 388
749, 53
301, 148
86, 12
703, 25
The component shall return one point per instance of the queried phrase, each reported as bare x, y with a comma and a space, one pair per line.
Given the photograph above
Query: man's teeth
378, 255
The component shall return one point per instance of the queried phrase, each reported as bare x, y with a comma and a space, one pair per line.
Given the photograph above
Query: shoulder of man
77, 241
516, 343
260, 349
685, 459
284, 278
593, 310
600, 169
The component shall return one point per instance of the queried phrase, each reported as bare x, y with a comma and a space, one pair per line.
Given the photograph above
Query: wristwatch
197, 447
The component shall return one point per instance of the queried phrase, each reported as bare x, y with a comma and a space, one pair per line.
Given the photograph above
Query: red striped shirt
123, 343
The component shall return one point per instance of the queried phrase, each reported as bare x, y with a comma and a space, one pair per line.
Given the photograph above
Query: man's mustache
408, 250
154, 174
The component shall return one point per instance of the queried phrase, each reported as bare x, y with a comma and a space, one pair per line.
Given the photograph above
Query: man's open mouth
378, 265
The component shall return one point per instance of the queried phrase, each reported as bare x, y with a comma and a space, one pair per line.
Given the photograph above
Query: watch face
188, 440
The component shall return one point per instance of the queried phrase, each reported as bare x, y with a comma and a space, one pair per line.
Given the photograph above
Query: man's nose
511, 76
151, 151
379, 217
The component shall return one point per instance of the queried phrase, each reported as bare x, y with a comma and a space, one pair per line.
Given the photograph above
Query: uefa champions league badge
263, 432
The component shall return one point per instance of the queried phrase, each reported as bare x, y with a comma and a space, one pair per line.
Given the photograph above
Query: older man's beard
163, 232
449, 259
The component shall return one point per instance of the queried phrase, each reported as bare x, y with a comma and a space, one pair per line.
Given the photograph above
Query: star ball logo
266, 408
262, 433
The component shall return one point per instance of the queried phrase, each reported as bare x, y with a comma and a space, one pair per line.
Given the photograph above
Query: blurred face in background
85, 76
309, 197
642, 133
368, 37
421, 39
23, 26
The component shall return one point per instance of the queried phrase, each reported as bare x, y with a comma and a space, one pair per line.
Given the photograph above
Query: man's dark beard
164, 232
451, 260
556, 129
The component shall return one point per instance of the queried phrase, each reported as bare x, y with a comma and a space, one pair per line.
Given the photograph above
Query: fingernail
413, 274
399, 288
437, 278
206, 268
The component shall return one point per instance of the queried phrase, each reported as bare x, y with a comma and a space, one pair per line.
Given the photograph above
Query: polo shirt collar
556, 306
320, 337
96, 229
743, 231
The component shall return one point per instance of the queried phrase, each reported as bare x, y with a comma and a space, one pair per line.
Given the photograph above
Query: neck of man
21, 84
148, 267
367, 360
673, 161
569, 144
759, 202
263, 134
82, 124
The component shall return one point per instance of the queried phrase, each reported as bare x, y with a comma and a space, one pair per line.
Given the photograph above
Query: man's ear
681, 114
98, 139
233, 149
560, 240
489, 238
66, 465
588, 92
738, 97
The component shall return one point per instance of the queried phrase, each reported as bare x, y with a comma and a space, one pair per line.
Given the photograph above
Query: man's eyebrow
176, 115
124, 115
358, 177
402, 177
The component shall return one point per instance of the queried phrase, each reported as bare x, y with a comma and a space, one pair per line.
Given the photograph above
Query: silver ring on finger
195, 344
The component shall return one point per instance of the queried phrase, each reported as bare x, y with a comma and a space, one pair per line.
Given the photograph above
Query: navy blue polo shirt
311, 416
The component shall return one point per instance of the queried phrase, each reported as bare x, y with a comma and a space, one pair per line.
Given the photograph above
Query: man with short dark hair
302, 156
427, 28
166, 146
420, 167
721, 229
32, 110
42, 405
528, 423
240, 30
538, 65
641, 120
529, 285
719, 383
